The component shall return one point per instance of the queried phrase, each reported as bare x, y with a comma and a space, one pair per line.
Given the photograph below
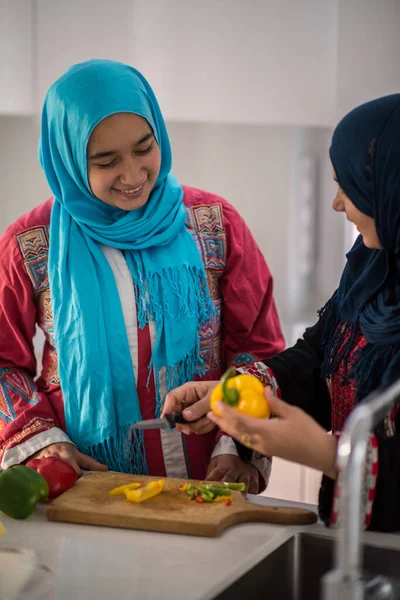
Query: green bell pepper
21, 489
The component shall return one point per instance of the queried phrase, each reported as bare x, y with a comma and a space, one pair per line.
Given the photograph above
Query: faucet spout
346, 581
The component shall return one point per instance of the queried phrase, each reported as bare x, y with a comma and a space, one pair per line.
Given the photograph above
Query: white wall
253, 61
22, 182
368, 48
251, 167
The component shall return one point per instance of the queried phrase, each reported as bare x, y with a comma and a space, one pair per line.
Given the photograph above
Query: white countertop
101, 563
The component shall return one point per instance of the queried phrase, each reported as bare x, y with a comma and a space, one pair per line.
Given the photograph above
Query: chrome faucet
347, 581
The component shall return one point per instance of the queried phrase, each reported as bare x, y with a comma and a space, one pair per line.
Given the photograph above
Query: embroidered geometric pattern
50, 368
18, 383
213, 285
206, 225
45, 317
7, 412
34, 246
189, 219
33, 427
213, 251
208, 219
263, 373
343, 397
14, 382
243, 359
33, 242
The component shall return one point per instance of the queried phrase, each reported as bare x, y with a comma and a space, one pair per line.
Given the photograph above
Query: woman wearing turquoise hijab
134, 280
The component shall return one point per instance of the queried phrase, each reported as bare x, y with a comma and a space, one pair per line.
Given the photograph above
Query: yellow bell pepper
244, 393
145, 493
220, 499
120, 491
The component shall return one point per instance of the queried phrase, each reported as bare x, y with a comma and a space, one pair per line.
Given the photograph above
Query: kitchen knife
167, 422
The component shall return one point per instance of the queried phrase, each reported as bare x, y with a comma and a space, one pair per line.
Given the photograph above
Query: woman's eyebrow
143, 139
102, 154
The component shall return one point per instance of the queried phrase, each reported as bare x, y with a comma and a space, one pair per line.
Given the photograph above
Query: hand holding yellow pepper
244, 393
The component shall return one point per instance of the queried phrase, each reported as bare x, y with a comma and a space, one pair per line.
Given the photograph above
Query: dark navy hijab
365, 154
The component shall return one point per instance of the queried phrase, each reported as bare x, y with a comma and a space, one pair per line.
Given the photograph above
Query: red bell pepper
59, 474
33, 463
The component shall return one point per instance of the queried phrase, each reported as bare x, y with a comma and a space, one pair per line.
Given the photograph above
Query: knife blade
168, 421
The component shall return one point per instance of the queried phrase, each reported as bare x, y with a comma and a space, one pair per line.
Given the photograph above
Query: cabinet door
16, 57
73, 31
236, 61
286, 481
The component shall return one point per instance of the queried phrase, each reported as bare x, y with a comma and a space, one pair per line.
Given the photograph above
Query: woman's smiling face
123, 161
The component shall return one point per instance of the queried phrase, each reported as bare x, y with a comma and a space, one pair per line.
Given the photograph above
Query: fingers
234, 421
197, 410
247, 430
71, 460
253, 485
201, 427
278, 407
64, 451
89, 463
216, 474
188, 394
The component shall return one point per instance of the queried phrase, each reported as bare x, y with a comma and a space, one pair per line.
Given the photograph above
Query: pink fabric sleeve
251, 329
24, 410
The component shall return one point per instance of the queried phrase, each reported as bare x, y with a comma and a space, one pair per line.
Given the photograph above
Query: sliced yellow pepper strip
220, 498
184, 487
149, 491
120, 491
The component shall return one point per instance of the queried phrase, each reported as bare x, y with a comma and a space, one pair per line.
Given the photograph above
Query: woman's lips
130, 193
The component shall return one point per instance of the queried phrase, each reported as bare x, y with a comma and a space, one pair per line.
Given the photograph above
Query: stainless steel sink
293, 571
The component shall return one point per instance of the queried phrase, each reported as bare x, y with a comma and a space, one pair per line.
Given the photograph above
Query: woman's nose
130, 173
338, 202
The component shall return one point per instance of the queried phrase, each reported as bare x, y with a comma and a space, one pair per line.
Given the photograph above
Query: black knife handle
175, 418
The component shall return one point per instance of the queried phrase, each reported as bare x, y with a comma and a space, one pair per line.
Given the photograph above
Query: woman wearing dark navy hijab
354, 348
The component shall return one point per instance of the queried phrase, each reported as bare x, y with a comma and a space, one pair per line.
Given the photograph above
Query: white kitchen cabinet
73, 31
290, 481
259, 61
16, 59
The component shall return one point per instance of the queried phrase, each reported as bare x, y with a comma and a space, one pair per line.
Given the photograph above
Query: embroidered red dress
31, 403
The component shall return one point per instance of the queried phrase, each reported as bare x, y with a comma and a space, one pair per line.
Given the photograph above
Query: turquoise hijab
95, 367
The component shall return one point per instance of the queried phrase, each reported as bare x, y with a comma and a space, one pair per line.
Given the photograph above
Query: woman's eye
145, 151
109, 164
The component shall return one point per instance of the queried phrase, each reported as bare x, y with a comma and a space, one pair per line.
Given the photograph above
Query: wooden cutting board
88, 502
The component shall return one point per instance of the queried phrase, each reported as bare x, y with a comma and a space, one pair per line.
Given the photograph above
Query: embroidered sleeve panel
206, 224
264, 374
369, 488
26, 447
32, 428
34, 247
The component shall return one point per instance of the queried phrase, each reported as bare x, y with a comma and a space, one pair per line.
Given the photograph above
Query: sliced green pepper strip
21, 489
240, 487
206, 494
191, 491
217, 490
231, 396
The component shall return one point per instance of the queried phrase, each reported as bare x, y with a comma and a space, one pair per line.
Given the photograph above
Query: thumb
197, 410
171, 404
89, 463
277, 406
